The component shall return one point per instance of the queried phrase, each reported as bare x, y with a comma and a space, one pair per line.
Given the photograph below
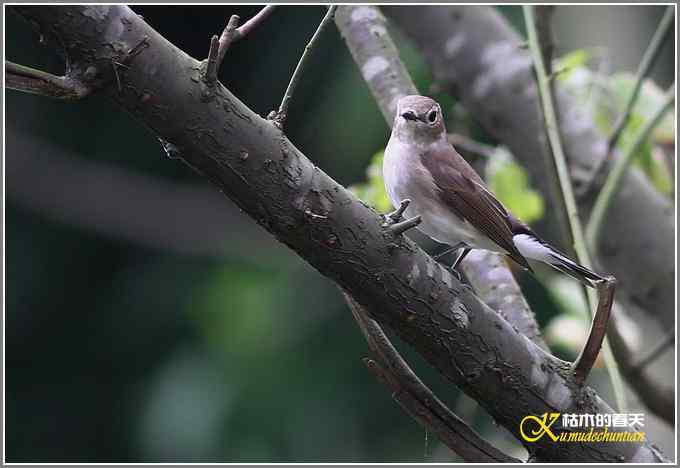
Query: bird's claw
396, 215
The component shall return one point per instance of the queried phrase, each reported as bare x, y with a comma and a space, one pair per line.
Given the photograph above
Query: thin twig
255, 21
572, 213
29, 80
417, 399
614, 179
544, 33
232, 33
648, 60
471, 146
229, 35
657, 351
279, 117
211, 66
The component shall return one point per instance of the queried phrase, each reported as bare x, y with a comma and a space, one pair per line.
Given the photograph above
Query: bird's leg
584, 363
447, 251
460, 257
462, 249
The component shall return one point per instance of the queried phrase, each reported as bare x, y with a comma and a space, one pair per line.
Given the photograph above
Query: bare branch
229, 35
417, 399
212, 63
254, 22
232, 33
29, 80
279, 117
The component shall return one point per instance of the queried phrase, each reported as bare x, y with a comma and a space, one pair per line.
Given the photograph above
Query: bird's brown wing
463, 191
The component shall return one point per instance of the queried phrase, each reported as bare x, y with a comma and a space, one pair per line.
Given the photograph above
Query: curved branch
276, 184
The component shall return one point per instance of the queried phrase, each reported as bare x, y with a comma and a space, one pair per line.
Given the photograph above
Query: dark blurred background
148, 320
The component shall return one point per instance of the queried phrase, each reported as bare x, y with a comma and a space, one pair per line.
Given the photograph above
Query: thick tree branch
476, 54
417, 399
365, 32
396, 281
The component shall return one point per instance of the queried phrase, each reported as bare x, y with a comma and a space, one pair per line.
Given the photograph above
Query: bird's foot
396, 215
454, 271
402, 226
393, 221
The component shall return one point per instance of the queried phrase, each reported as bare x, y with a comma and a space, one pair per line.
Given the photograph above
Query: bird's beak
409, 116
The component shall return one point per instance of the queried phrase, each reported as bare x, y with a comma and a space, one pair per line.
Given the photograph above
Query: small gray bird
455, 206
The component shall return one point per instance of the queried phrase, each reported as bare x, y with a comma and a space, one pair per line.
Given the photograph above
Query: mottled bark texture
476, 54
258, 168
365, 31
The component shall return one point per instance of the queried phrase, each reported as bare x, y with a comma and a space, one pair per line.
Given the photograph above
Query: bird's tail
573, 269
531, 247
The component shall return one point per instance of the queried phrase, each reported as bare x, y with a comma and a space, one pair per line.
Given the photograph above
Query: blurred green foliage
606, 97
373, 190
510, 182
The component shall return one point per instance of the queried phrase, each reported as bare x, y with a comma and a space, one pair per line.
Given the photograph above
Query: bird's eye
432, 116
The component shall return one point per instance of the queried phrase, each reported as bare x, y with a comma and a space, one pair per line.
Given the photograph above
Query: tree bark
477, 55
252, 162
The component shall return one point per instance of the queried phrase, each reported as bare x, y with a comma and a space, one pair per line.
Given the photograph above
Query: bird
424, 172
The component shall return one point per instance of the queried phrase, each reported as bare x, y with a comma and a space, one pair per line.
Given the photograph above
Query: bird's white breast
406, 177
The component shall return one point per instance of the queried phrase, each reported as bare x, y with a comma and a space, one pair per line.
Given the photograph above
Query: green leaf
649, 99
510, 182
572, 62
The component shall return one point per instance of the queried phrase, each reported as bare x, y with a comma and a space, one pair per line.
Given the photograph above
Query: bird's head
419, 120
